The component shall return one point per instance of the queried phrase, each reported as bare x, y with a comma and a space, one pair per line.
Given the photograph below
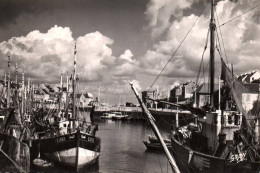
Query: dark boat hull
14, 155
155, 146
192, 161
73, 150
165, 118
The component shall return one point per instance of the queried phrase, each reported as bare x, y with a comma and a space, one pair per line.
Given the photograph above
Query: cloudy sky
119, 41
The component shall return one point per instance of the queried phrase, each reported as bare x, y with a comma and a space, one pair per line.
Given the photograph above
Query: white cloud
160, 12
92, 49
241, 38
127, 55
45, 55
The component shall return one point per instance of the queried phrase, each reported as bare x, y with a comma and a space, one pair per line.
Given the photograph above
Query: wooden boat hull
192, 161
155, 145
73, 150
14, 154
68, 157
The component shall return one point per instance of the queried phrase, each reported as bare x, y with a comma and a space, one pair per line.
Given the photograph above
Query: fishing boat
119, 116
108, 115
153, 139
220, 140
14, 154
154, 144
73, 144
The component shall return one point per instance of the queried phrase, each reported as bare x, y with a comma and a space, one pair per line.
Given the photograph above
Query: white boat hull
69, 157
73, 150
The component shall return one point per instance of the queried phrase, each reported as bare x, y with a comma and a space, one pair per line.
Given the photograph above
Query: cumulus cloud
45, 55
161, 12
187, 58
241, 37
127, 56
125, 65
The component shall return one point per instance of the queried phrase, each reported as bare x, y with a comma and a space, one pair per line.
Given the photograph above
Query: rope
221, 37
176, 49
167, 164
240, 15
201, 62
159, 162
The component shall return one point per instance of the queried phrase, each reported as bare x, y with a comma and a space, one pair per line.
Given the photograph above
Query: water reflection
122, 148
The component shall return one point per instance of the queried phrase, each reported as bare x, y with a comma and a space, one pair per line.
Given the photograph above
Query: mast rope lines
177, 49
201, 62
219, 29
239, 15
223, 25
218, 46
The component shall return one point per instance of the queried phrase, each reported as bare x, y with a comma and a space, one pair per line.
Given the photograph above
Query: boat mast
74, 87
212, 54
22, 110
5, 85
99, 100
16, 104
151, 120
61, 81
16, 87
61, 91
16, 80
8, 84
67, 97
28, 95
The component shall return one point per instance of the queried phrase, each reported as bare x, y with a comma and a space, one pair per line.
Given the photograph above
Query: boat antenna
73, 87
212, 54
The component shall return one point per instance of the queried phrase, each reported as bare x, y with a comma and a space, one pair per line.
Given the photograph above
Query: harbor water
122, 149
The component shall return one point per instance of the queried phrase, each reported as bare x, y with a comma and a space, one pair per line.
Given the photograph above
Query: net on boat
237, 89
